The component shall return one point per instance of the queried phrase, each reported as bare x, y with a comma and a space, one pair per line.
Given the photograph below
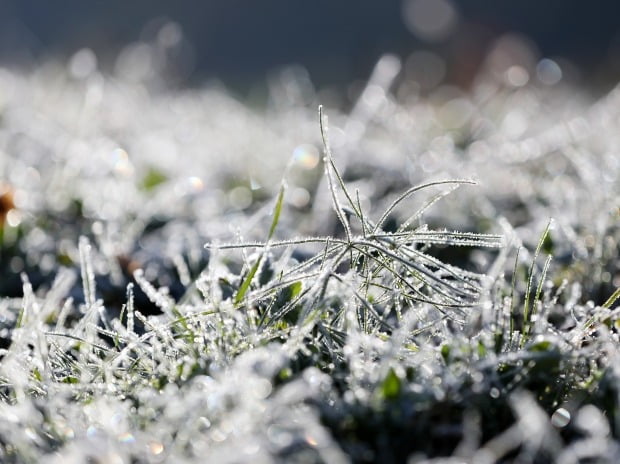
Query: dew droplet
560, 418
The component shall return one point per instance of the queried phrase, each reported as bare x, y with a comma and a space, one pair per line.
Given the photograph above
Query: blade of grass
612, 299
418, 269
512, 294
530, 279
329, 167
426, 206
277, 210
245, 285
538, 291
542, 278
410, 192
275, 244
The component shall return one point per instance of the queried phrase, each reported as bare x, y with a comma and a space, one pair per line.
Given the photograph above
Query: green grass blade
612, 299
530, 278
512, 293
543, 277
245, 285
277, 210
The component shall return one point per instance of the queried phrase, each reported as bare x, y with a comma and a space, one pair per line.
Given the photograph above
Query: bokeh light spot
426, 68
195, 184
83, 63
170, 35
306, 156
299, 197
548, 72
126, 438
13, 218
517, 76
456, 112
122, 164
156, 447
430, 20
240, 197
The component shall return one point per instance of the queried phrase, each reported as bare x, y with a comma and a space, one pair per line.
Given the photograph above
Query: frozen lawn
187, 279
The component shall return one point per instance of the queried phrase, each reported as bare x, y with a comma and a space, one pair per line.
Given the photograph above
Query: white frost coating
336, 337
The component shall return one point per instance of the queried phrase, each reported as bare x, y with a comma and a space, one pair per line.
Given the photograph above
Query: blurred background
240, 42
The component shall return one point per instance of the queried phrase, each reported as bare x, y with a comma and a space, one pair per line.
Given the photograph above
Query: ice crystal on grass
383, 311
